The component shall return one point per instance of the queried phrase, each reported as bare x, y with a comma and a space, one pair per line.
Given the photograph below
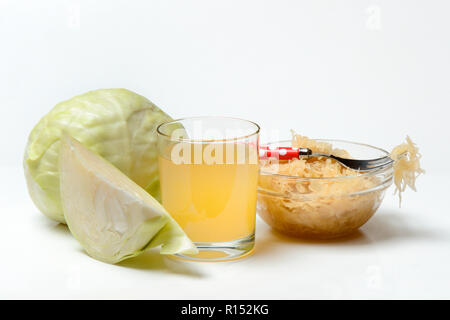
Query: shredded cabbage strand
407, 168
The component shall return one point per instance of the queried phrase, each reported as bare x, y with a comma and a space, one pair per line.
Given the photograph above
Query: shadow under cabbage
153, 260
149, 260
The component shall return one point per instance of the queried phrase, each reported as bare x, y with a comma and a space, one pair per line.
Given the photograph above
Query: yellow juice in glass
212, 202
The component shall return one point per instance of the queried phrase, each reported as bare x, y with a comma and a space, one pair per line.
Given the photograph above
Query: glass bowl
323, 208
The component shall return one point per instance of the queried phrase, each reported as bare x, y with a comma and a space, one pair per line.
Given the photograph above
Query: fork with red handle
290, 153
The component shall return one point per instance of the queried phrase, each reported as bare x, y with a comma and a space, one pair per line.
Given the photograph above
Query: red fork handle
283, 153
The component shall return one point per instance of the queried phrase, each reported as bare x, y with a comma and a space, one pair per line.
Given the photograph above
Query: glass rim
159, 132
357, 175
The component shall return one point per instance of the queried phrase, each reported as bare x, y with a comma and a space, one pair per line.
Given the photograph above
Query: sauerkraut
320, 198
406, 165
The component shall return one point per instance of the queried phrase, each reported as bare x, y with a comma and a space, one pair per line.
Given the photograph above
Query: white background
368, 71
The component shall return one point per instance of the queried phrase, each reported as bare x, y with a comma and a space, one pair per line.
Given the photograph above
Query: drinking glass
209, 174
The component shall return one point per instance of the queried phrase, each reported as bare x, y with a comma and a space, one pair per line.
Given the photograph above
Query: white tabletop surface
399, 253
367, 71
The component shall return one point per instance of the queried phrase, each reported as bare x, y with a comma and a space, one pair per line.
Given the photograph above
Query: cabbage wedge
111, 216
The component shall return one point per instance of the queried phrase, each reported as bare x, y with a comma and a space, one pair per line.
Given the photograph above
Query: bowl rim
358, 175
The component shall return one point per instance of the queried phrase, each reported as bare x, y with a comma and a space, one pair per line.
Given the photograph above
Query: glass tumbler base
221, 251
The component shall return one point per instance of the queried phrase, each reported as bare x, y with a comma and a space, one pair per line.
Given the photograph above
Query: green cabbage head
117, 124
